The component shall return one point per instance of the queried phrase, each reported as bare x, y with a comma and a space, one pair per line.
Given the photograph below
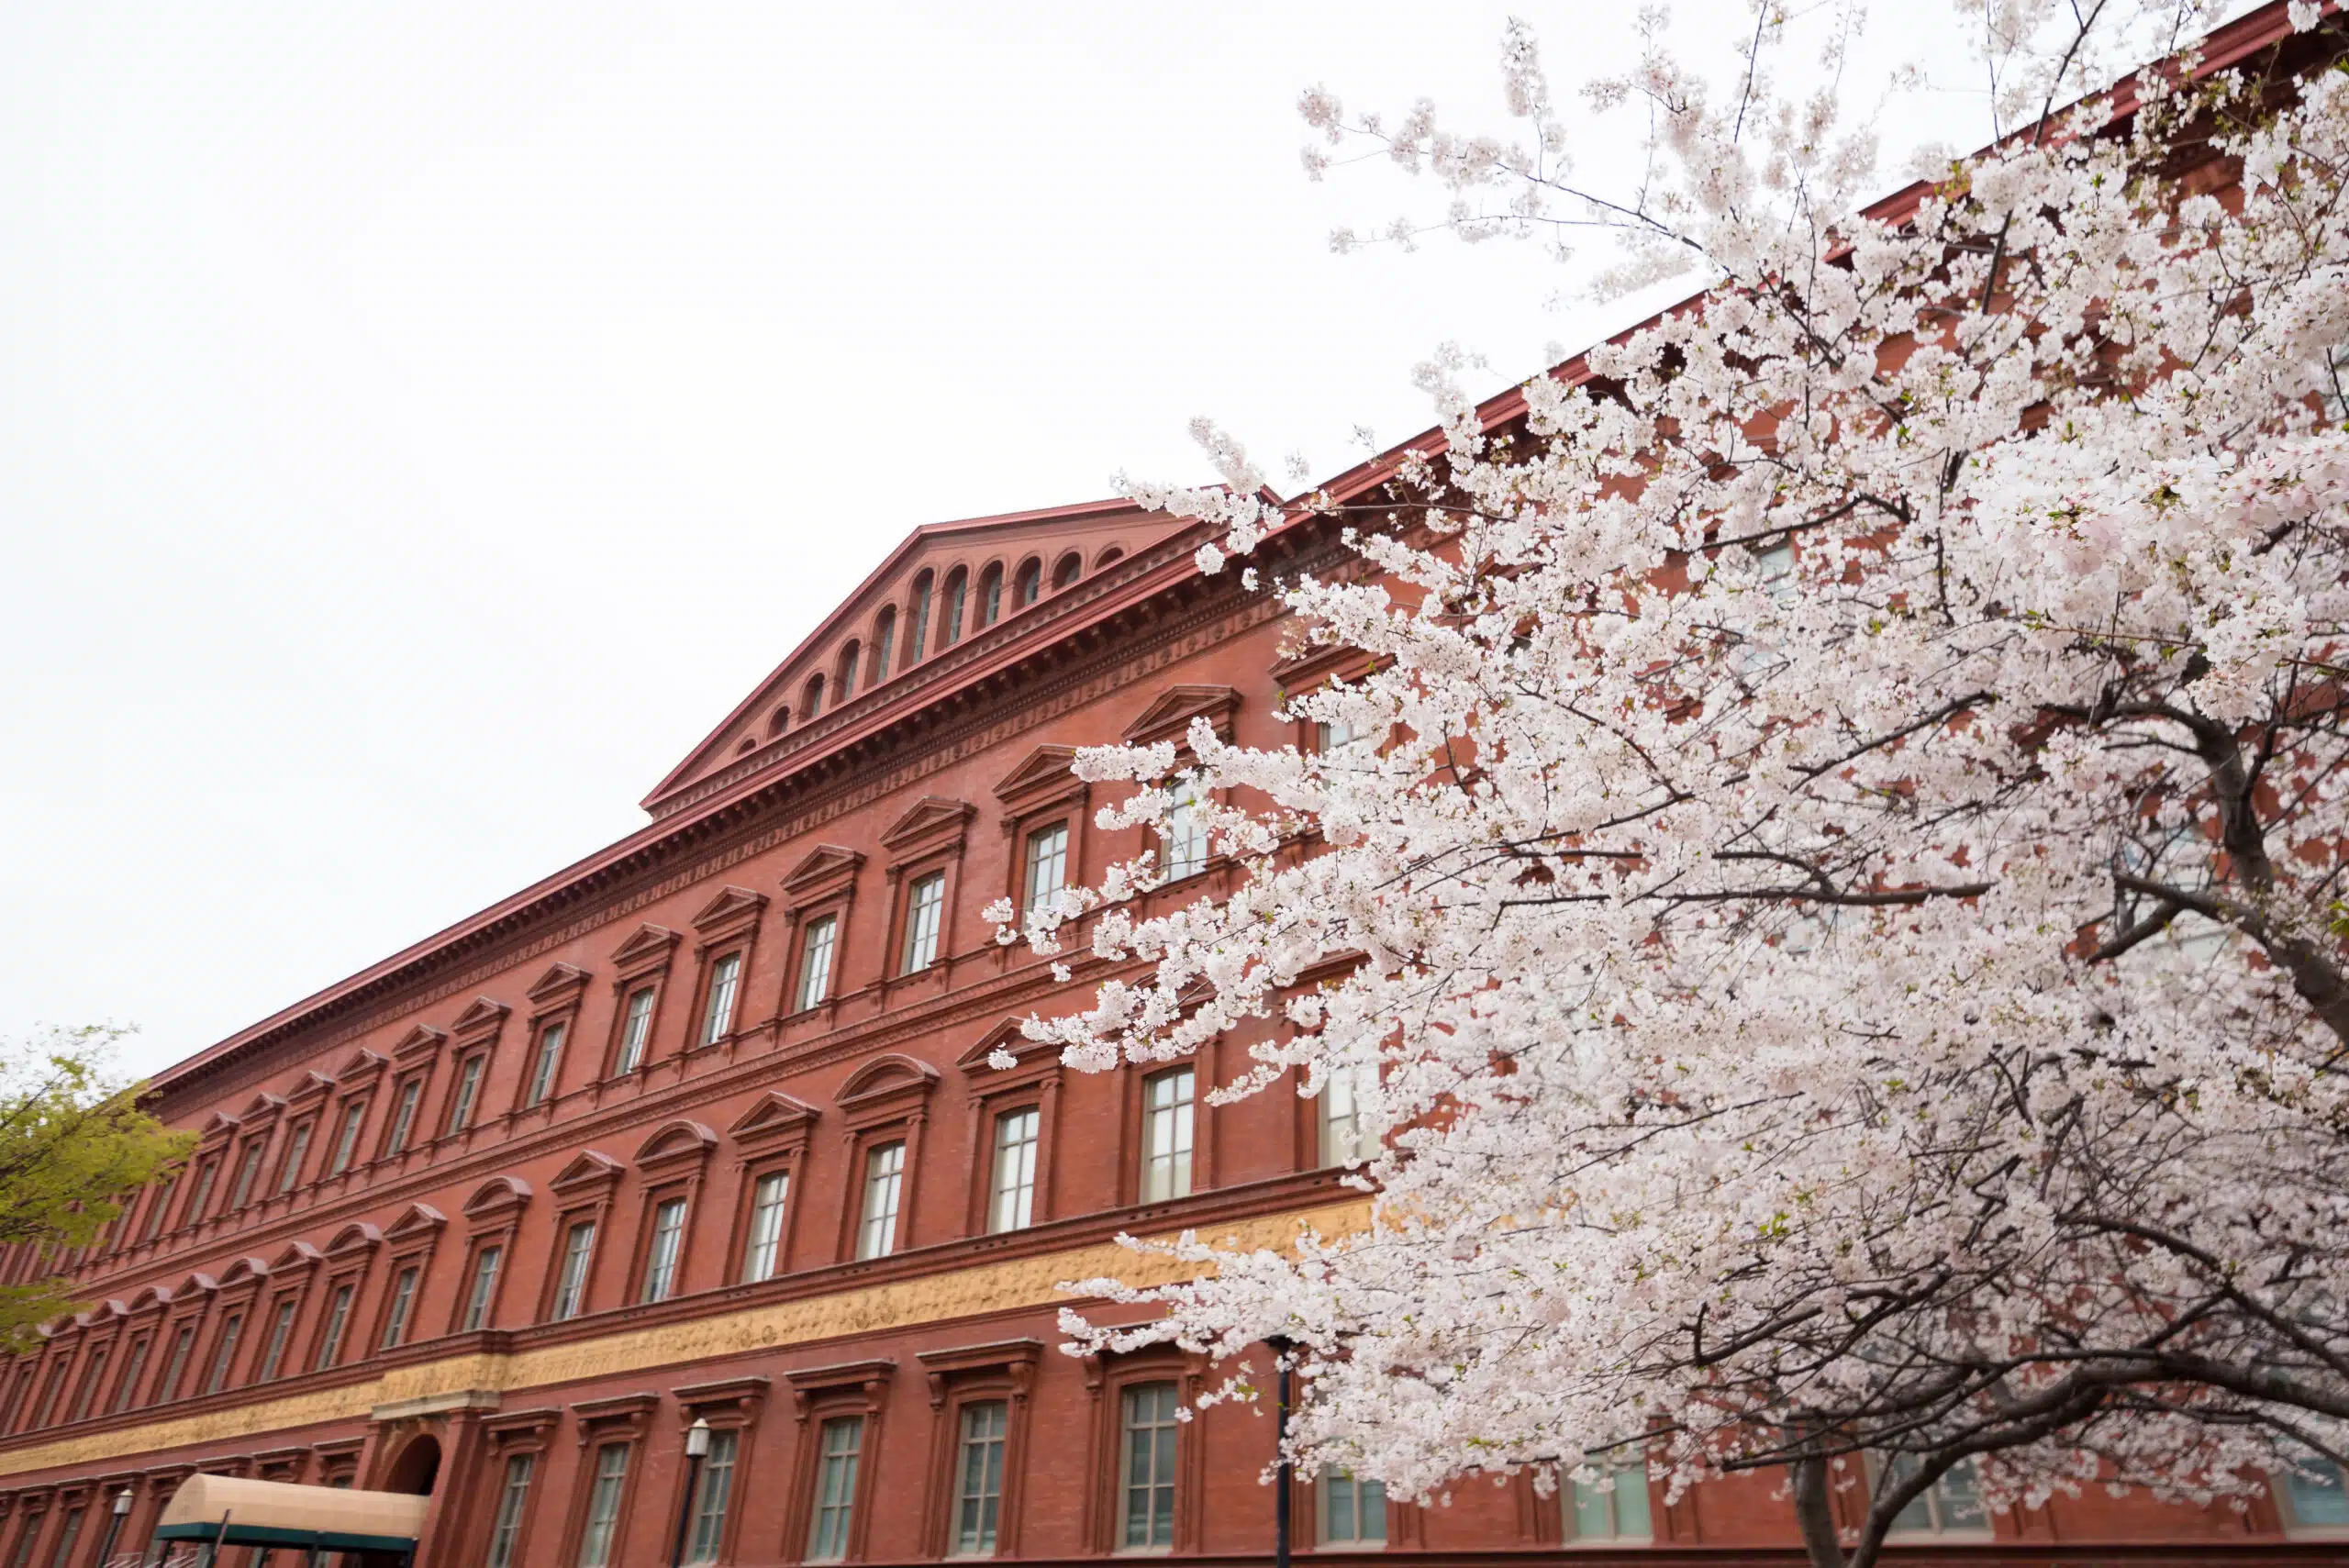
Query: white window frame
724, 987
1011, 1174
814, 985
1168, 1132
664, 1249
882, 1198
925, 917
1043, 865
762, 1236
636, 1029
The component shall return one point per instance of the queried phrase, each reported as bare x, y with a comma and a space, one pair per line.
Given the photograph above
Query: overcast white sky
418, 425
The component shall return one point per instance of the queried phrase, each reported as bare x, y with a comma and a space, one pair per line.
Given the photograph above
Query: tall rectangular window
917, 642
247, 1173
725, 978
925, 906
603, 1506
713, 1490
167, 1387
1354, 1512
1342, 1136
1011, 1197
1166, 1136
1187, 835
201, 1194
1612, 1505
281, 1328
661, 1254
828, 1530
346, 1138
1148, 1467
816, 963
403, 1302
94, 1377
571, 1274
26, 1533
1952, 1505
132, 1365
545, 1066
461, 1104
513, 1498
403, 1115
1047, 867
161, 1210
224, 1354
337, 1320
884, 1175
297, 1148
762, 1249
484, 1288
978, 1479
636, 1029
68, 1536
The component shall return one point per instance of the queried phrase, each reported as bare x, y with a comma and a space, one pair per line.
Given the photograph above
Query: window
636, 1029
885, 632
956, 581
93, 1376
157, 1215
1066, 573
1953, 1504
337, 1320
917, 627
2315, 1499
762, 1251
603, 1506
724, 979
461, 1104
205, 1175
924, 903
978, 1479
835, 1489
1166, 1136
811, 700
28, 1532
712, 1492
1047, 865
816, 963
1336, 736
403, 1302
345, 1141
484, 1288
132, 1365
661, 1254
247, 1173
1148, 1466
990, 595
1342, 1142
297, 1148
1185, 834
67, 1535
1011, 1193
403, 1115
1354, 1513
281, 1328
1027, 584
571, 1274
224, 1355
544, 1066
884, 1174
1612, 1506
183, 1341
512, 1499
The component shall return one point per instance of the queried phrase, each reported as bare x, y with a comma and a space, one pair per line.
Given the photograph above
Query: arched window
917, 629
950, 623
811, 700
1029, 585
1066, 573
884, 637
990, 594
844, 672
1111, 554
779, 721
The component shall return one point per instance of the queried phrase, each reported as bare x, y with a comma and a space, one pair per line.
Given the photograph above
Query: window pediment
869, 1378
243, 1271
1032, 1059
930, 825
732, 1395
823, 873
497, 1198
153, 1299
363, 1067
1169, 717
733, 910
218, 1129
416, 1219
262, 1112
483, 1018
1310, 666
296, 1257
356, 1238
560, 985
1043, 778
884, 1089
773, 1121
418, 1044
589, 1173
678, 1143
310, 1088
648, 948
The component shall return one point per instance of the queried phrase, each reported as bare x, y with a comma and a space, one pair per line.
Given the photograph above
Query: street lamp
113, 1525
697, 1449
1281, 1345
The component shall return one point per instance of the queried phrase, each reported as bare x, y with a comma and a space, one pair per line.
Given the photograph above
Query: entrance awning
278, 1513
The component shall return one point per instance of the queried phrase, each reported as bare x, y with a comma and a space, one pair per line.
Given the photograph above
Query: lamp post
113, 1525
697, 1449
1280, 1345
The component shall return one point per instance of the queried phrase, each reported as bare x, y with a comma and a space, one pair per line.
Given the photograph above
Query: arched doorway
418, 1467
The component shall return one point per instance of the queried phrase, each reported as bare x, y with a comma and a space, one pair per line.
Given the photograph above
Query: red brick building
702, 1128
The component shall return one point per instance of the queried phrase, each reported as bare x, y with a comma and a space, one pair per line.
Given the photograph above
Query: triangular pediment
929, 817
1005, 1035
819, 867
308, 1088
296, 1255
1046, 767
217, 1126
774, 1116
482, 1016
359, 1067
648, 944
261, 1110
421, 1040
1169, 715
730, 908
560, 982
588, 1171
416, 1219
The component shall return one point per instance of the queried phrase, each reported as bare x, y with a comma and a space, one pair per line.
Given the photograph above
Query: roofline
683, 772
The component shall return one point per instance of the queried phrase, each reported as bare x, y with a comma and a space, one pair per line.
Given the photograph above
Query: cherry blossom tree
1843, 907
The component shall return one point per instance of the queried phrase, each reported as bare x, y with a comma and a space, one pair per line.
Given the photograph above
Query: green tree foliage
75, 1148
